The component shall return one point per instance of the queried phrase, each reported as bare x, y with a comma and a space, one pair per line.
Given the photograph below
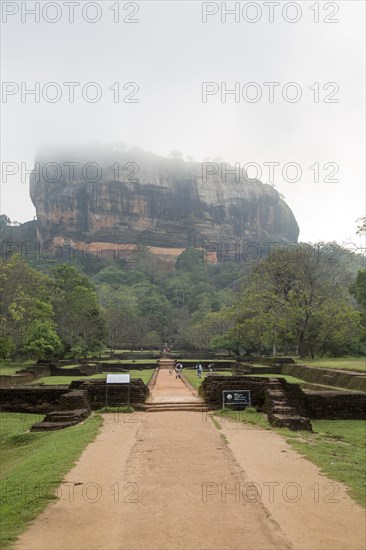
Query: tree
361, 229
7, 347
336, 329
289, 296
179, 288
213, 329
358, 288
43, 342
127, 325
192, 261
80, 323
4, 221
24, 299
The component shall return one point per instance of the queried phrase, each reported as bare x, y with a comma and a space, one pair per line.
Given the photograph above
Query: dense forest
307, 300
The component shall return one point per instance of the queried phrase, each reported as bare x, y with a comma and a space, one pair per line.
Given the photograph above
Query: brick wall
213, 385
336, 405
117, 393
317, 405
341, 379
37, 399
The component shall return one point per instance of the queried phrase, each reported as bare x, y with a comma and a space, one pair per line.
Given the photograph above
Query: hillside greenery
305, 299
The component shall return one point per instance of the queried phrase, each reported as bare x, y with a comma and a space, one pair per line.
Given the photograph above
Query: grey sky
169, 52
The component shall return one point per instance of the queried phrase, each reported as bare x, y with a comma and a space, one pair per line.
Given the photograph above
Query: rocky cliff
114, 198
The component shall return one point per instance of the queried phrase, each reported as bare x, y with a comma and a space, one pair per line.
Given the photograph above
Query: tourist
199, 370
178, 369
210, 367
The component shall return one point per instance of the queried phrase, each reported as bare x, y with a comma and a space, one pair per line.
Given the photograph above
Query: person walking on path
199, 370
178, 369
210, 367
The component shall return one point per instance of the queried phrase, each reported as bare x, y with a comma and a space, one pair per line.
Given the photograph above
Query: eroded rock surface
121, 197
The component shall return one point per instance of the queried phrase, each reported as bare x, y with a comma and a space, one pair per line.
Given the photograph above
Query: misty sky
169, 52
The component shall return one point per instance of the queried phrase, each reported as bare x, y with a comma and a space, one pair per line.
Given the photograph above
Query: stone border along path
169, 481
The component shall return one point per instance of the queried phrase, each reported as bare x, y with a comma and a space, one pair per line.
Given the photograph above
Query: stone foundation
73, 407
325, 404
117, 393
282, 411
341, 379
336, 405
213, 385
31, 399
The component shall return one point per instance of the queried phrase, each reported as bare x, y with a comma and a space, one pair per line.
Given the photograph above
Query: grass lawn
192, 377
10, 367
293, 380
122, 362
152, 351
129, 361
196, 382
195, 361
145, 375
33, 466
342, 363
338, 448
288, 378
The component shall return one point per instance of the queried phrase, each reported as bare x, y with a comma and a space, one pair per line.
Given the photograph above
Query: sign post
117, 379
236, 397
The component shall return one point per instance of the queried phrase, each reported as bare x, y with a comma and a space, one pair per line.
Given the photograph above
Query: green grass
293, 380
288, 378
123, 409
192, 377
33, 466
196, 382
129, 361
338, 448
10, 367
117, 351
122, 362
343, 363
145, 375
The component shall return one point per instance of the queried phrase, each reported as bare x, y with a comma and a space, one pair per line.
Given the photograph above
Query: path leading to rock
169, 389
169, 481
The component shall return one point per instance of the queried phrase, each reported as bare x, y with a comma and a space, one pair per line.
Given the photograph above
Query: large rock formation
167, 204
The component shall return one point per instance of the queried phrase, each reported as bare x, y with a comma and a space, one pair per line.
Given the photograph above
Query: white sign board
118, 378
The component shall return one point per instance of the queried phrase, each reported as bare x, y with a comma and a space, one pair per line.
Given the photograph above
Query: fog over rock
130, 196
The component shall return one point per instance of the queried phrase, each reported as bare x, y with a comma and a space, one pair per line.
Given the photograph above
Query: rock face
122, 197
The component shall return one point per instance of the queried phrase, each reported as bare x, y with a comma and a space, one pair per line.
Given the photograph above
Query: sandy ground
168, 480
314, 512
169, 389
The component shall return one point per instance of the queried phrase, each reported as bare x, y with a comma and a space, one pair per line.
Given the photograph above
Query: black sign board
236, 397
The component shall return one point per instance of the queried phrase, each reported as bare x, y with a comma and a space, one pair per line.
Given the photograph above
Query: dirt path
313, 511
157, 481
169, 388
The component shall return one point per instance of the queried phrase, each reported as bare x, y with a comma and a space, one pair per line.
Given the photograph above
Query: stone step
47, 426
279, 399
177, 406
283, 405
166, 363
294, 422
61, 416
